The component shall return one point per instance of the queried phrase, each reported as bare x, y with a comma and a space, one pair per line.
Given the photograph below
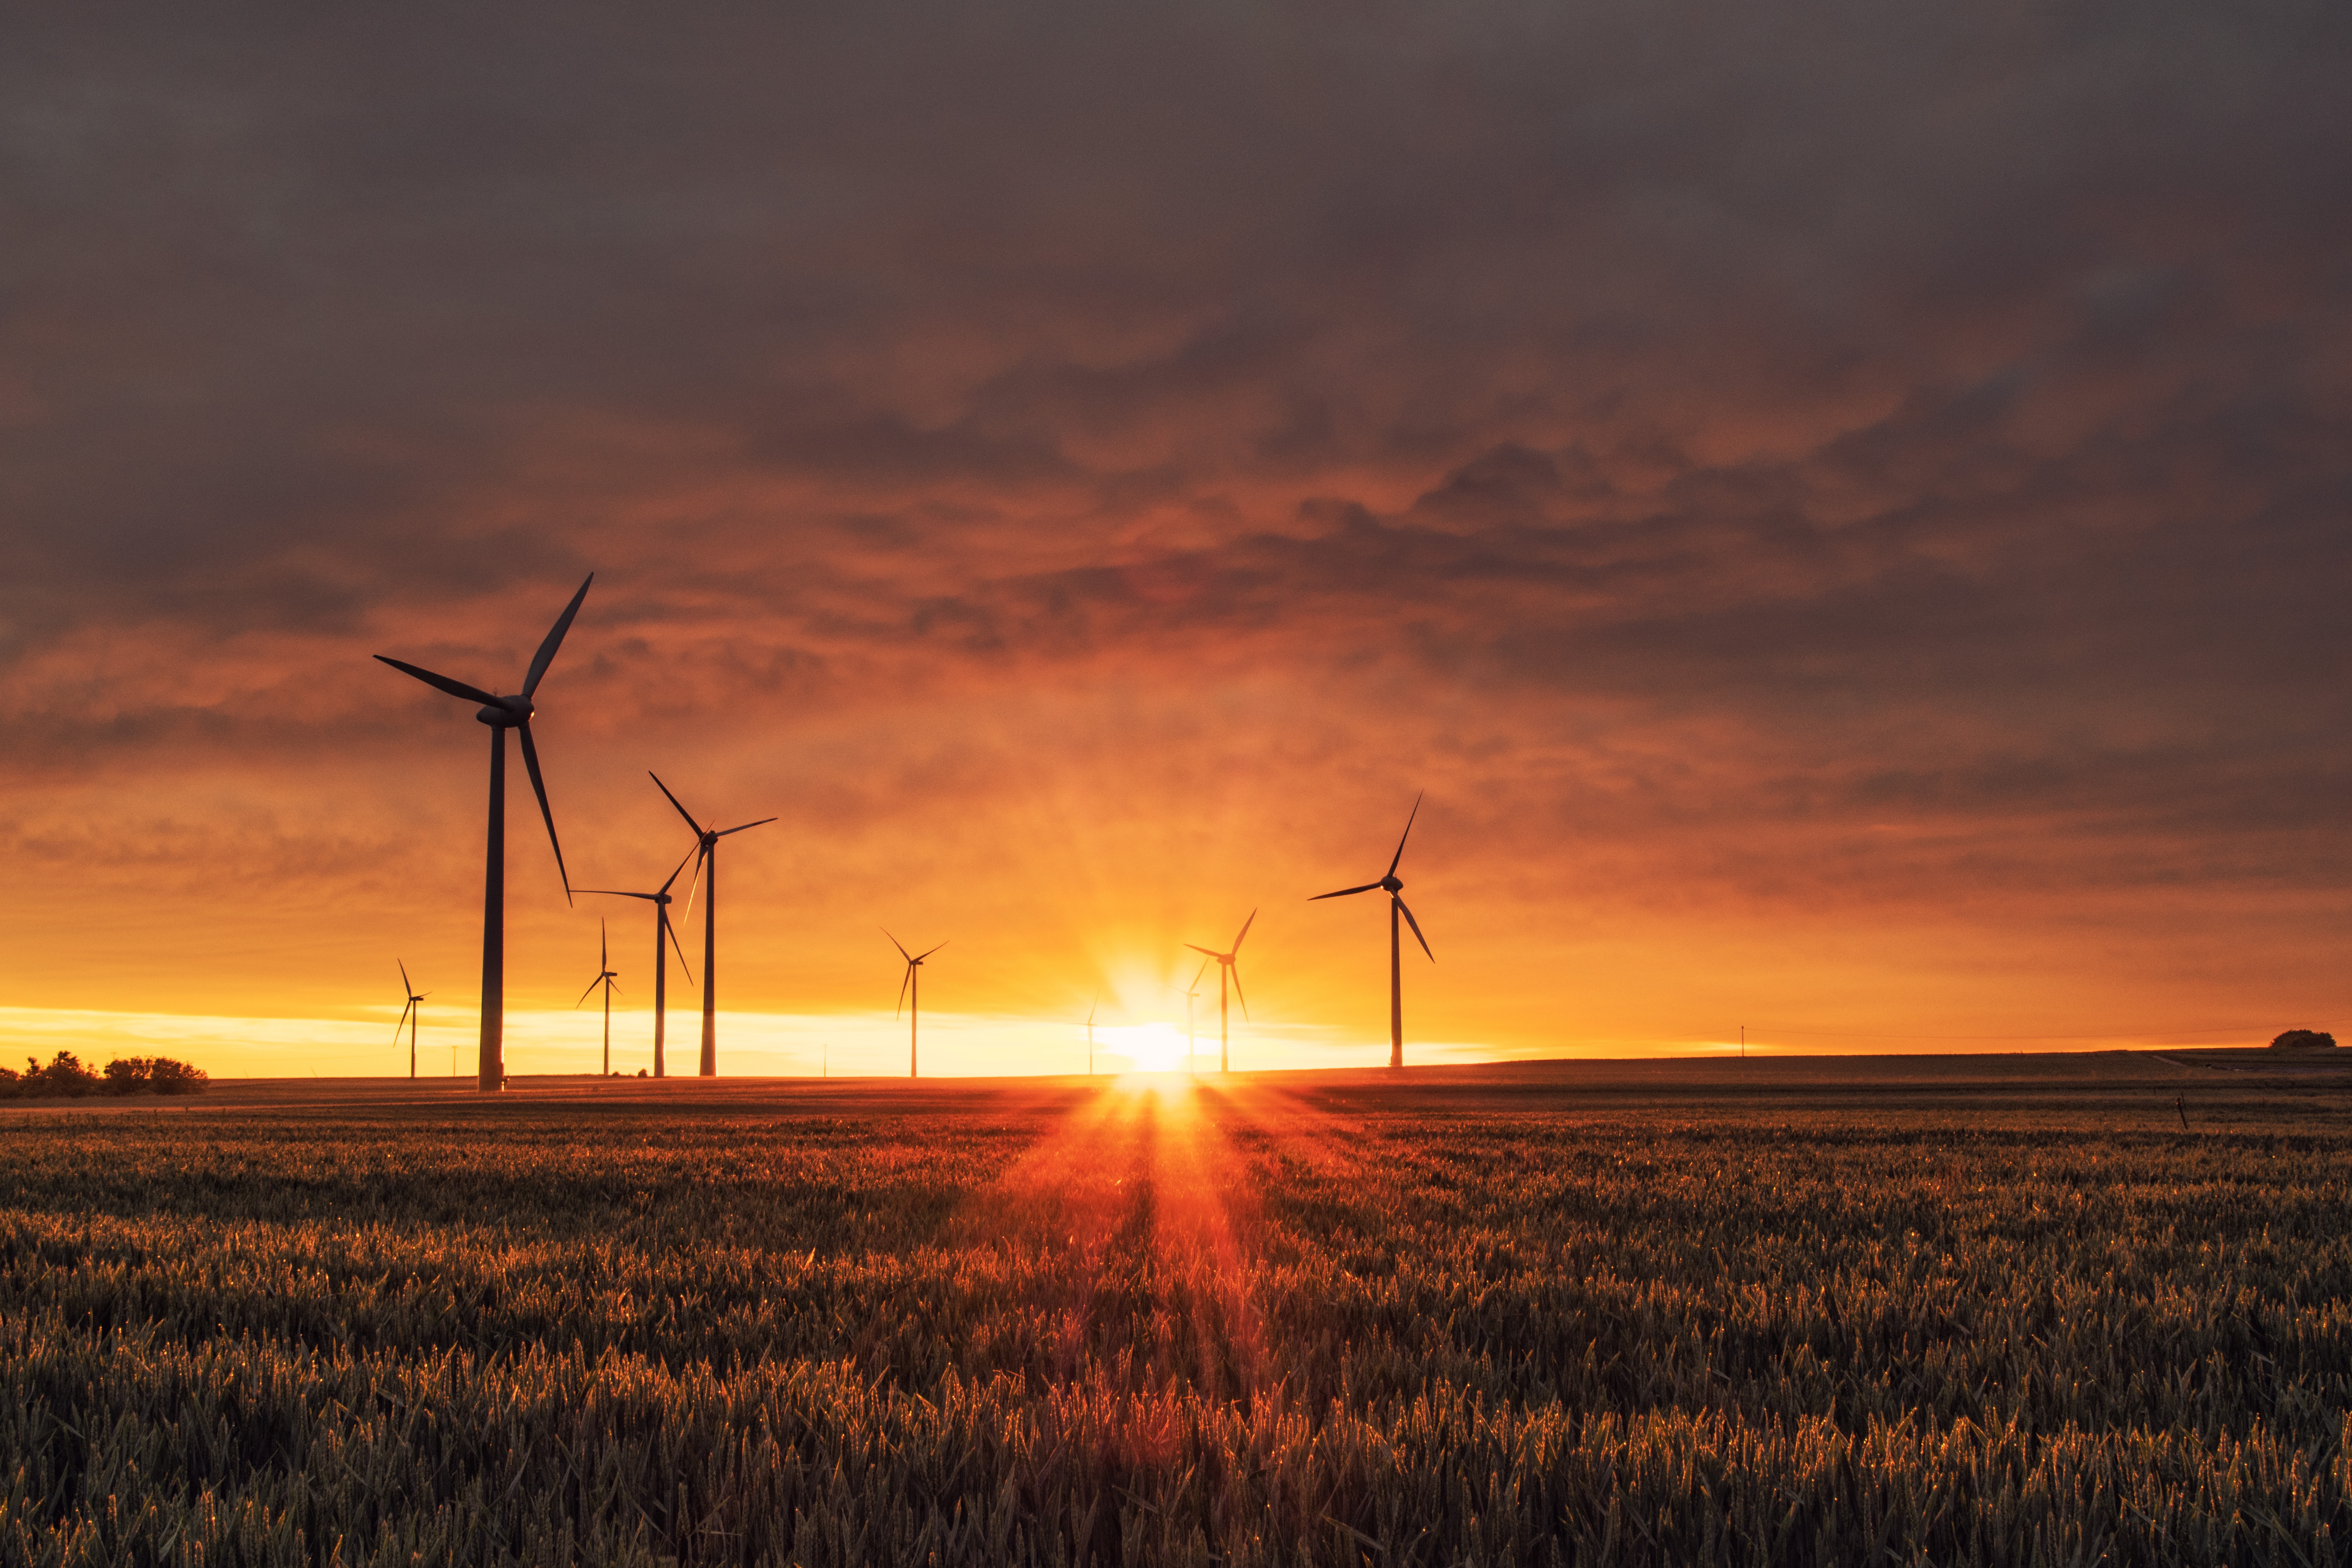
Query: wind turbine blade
408, 987
590, 991
673, 800
1238, 990
546, 655
1345, 891
1246, 925
405, 1012
1406, 834
909, 980
928, 951
1416, 930
681, 865
696, 885
604, 948
440, 682
1196, 947
539, 788
761, 823
614, 892
1198, 978
896, 944
1090, 1011
674, 942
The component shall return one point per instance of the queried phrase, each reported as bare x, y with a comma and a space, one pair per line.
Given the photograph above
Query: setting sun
1147, 1048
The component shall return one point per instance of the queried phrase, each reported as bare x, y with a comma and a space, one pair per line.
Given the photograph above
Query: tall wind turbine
910, 990
1395, 891
605, 975
706, 859
501, 714
1227, 971
409, 1015
660, 900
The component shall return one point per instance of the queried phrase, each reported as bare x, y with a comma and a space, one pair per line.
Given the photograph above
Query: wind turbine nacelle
505, 714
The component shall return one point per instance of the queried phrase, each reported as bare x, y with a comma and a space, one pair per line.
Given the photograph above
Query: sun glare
1151, 1047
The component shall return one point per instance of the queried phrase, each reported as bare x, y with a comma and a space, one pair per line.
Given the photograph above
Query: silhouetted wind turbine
1395, 891
707, 859
660, 900
605, 975
1226, 971
408, 1014
501, 714
910, 990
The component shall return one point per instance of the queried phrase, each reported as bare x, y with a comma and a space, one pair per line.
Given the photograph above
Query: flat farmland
1835, 1311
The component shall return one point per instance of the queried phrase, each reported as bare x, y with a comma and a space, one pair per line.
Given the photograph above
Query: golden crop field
1937, 1314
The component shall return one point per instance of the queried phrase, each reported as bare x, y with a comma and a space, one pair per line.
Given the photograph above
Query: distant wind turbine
1227, 971
501, 714
1395, 891
605, 975
910, 991
707, 861
1090, 1034
660, 900
1191, 1049
409, 1015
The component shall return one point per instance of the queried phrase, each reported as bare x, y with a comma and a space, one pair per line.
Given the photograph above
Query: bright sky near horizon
1843, 511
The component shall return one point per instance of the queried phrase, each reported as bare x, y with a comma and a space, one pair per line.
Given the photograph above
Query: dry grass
1502, 1321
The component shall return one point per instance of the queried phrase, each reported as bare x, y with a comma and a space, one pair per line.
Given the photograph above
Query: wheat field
1510, 1319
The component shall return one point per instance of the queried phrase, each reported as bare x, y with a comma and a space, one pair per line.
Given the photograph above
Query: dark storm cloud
1958, 399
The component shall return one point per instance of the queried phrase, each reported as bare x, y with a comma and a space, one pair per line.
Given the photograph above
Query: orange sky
1847, 544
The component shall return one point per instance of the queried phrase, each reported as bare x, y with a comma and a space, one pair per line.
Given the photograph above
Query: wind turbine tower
1395, 891
501, 714
605, 975
408, 1014
1228, 972
707, 860
661, 900
910, 998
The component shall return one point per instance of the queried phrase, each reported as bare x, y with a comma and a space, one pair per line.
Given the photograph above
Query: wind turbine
409, 1015
910, 990
501, 714
660, 900
706, 858
1090, 1033
605, 975
1190, 1050
1395, 891
1226, 971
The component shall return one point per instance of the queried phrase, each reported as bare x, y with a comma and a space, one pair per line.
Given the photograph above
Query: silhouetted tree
2304, 1040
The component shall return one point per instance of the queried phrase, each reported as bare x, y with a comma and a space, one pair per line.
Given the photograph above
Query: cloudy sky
1847, 510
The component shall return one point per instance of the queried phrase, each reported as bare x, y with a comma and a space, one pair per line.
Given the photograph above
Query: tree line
65, 1079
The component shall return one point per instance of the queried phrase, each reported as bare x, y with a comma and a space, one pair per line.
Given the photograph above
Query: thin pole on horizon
1228, 970
661, 900
1743, 1042
501, 714
910, 997
1390, 884
706, 855
1090, 1033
